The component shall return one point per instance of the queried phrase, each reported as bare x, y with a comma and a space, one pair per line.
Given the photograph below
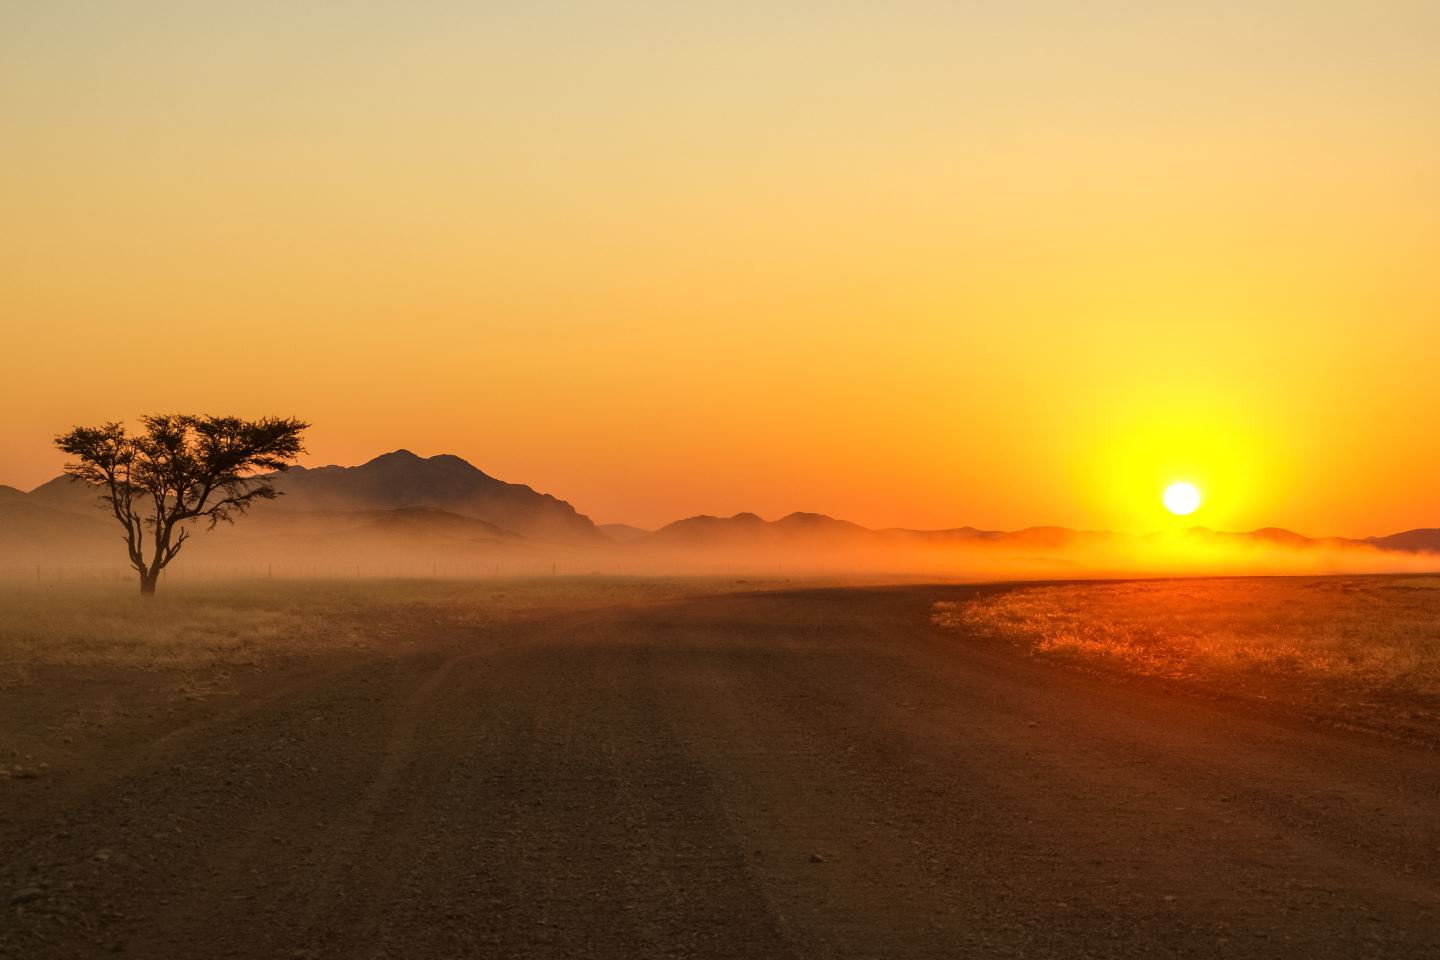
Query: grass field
249, 622
1336, 640
79, 660
84, 662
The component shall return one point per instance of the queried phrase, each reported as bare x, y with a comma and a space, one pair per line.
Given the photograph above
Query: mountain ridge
439, 493
724, 531
402, 480
623, 532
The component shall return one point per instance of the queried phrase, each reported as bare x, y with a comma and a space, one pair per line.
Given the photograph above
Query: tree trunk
147, 583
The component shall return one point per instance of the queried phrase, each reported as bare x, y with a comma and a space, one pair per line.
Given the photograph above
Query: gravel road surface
810, 774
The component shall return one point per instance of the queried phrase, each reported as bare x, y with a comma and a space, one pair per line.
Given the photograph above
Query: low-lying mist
301, 544
401, 515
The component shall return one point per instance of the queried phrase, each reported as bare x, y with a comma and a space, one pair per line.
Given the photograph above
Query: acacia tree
181, 470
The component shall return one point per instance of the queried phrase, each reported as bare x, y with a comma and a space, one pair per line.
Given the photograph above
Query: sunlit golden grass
1369, 631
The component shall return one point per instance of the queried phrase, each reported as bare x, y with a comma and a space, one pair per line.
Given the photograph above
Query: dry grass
1371, 632
248, 623
85, 666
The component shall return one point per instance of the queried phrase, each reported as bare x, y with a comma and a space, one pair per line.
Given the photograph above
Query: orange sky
911, 264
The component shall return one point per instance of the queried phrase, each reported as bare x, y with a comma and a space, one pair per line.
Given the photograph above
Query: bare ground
806, 774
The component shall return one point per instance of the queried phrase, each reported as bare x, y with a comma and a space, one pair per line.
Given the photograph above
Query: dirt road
817, 774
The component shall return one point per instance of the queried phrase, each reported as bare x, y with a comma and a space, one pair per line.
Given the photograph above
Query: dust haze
401, 515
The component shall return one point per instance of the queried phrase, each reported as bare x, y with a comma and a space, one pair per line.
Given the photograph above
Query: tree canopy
180, 470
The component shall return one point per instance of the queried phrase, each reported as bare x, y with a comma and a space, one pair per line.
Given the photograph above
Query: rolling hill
1425, 539
401, 481
442, 507
622, 532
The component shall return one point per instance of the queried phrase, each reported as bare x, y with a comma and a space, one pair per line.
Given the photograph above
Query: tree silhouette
180, 470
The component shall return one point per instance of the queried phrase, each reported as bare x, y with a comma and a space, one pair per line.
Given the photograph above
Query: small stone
24, 773
816, 858
27, 895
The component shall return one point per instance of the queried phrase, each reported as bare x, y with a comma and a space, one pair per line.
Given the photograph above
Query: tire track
800, 775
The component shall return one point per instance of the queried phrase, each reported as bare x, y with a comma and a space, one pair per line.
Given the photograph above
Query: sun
1182, 498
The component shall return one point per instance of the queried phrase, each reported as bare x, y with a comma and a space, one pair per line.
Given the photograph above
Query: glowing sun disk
1182, 498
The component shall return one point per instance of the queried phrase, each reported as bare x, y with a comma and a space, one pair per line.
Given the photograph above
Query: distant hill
401, 508
825, 537
1426, 539
819, 531
398, 481
22, 519
429, 522
31, 532
622, 532
65, 493
1279, 536
747, 531
398, 507
403, 481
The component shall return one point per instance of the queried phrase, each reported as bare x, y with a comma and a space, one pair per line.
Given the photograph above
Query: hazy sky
923, 264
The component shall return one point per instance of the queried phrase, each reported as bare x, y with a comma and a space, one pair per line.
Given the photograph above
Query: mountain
429, 522
397, 508
400, 508
819, 531
403, 481
22, 520
746, 530
622, 532
394, 481
814, 539
1424, 540
65, 493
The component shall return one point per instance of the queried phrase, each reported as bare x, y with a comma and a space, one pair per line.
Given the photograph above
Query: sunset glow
902, 265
